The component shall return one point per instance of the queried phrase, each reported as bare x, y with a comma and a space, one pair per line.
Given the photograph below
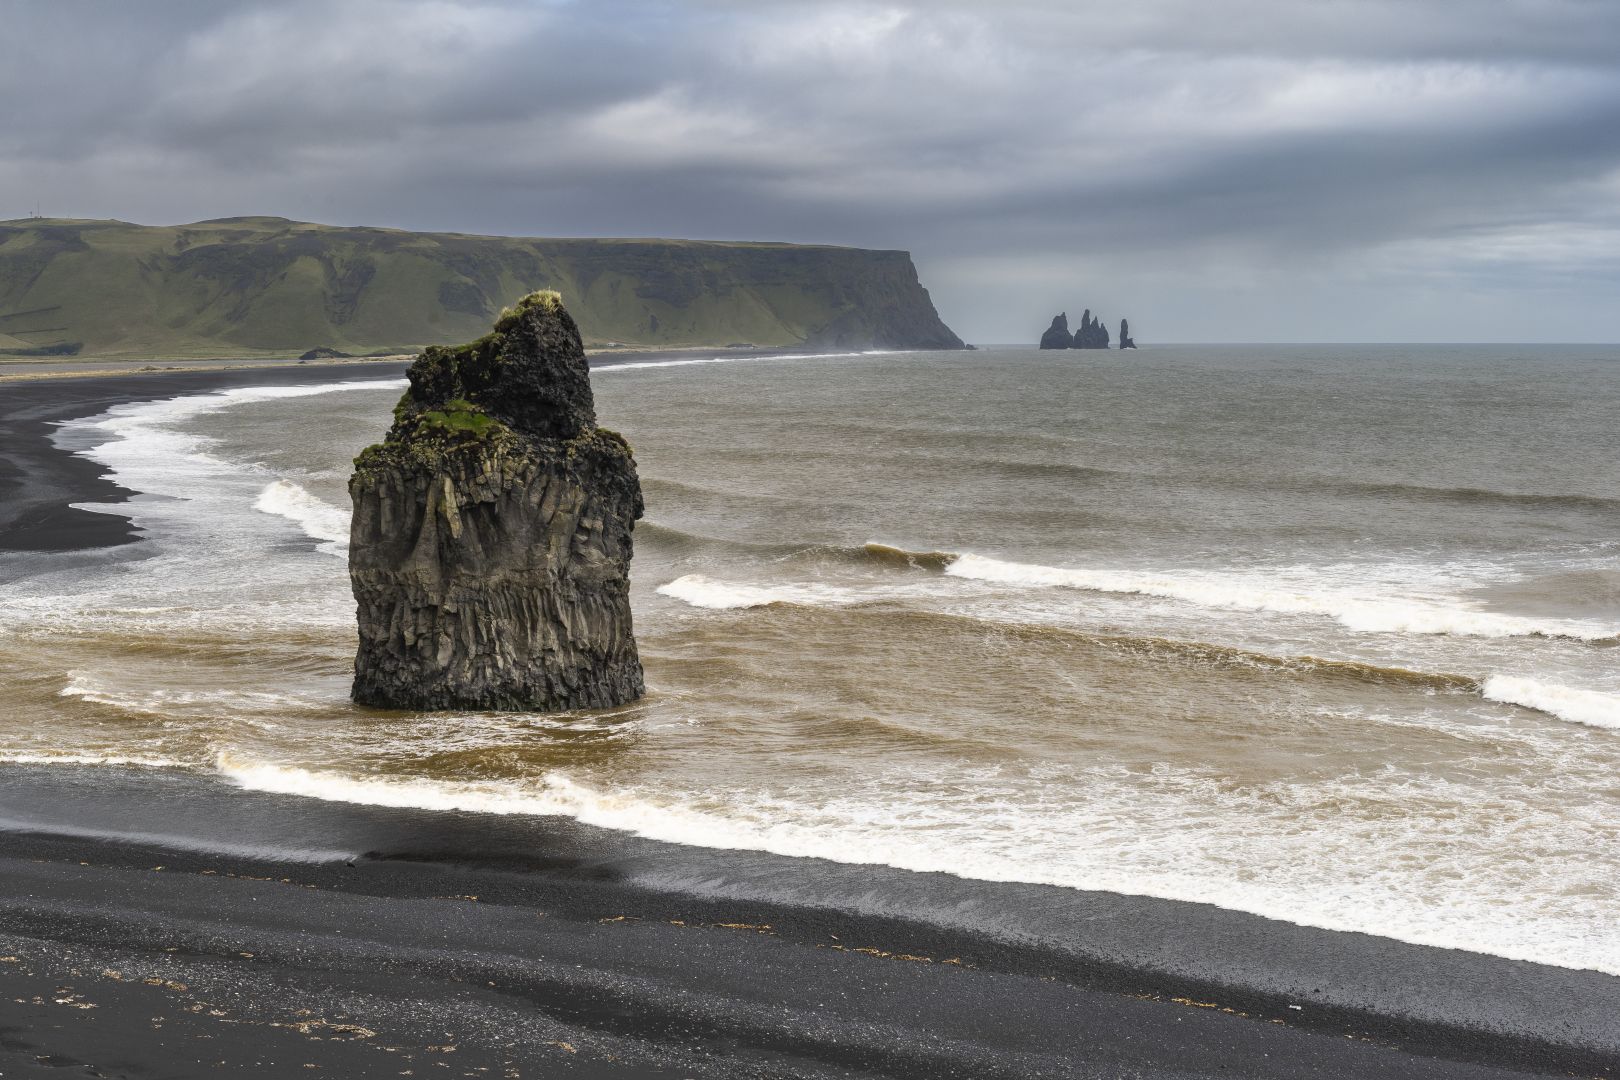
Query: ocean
1327, 634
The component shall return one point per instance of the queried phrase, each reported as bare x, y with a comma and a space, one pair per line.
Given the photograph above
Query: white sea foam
1415, 868
1366, 614
209, 522
141, 761
480, 797
143, 420
1589, 707
148, 450
319, 519
606, 368
1295, 872
179, 842
168, 701
705, 592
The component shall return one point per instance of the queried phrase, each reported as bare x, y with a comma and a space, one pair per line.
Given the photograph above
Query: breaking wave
1461, 495
884, 555
922, 834
705, 592
637, 365
319, 519
1589, 707
1357, 612
1373, 615
161, 701
139, 761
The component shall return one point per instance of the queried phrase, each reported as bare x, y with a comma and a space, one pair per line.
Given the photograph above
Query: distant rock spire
1090, 334
1057, 335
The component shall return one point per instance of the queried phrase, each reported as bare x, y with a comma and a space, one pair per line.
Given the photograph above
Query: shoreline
28, 370
652, 956
39, 483
742, 949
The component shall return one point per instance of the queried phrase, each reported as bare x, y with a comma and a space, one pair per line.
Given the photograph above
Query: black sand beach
208, 924
161, 923
38, 482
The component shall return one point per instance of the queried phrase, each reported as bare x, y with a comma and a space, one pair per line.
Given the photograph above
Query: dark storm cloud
1254, 169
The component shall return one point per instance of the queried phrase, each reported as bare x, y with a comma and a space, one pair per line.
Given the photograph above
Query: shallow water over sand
1325, 634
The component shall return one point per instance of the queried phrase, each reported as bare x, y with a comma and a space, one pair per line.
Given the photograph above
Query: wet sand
160, 923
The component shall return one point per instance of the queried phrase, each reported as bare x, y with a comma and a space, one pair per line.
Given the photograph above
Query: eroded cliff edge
491, 542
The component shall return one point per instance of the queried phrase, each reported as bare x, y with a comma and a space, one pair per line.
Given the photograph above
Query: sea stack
1091, 334
1057, 335
1125, 340
491, 542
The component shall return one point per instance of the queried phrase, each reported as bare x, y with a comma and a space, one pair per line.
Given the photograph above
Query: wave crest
885, 555
138, 761
319, 519
1589, 707
705, 592
1373, 615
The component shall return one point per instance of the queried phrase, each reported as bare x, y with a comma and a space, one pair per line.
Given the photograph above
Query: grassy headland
265, 286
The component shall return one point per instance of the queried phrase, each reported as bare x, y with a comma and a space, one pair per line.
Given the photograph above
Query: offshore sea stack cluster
1090, 334
491, 543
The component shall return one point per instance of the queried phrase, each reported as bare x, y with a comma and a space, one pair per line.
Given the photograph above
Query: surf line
637, 365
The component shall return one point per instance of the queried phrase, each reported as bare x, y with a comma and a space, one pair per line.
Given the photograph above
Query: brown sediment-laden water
1326, 634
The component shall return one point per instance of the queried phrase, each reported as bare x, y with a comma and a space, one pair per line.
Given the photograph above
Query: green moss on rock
459, 417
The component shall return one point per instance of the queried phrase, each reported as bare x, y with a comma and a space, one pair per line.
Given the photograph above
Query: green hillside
269, 286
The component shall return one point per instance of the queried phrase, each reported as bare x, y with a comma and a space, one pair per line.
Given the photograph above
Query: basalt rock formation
1057, 335
1092, 334
491, 542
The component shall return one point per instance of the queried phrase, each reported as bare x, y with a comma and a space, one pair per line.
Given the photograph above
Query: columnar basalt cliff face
491, 542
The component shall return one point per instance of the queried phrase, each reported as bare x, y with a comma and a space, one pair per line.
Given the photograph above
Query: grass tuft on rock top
458, 417
549, 300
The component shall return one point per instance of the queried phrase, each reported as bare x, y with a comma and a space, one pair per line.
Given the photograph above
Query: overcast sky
1247, 170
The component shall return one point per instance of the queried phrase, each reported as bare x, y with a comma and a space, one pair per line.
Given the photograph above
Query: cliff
490, 548
269, 286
